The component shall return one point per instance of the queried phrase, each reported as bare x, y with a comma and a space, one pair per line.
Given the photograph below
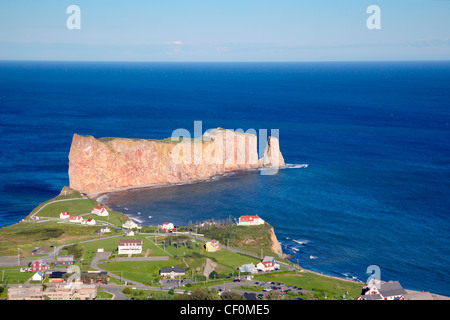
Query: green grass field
103, 295
74, 207
140, 271
13, 275
26, 236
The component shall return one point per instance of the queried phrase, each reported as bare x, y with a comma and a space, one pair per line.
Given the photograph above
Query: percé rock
113, 164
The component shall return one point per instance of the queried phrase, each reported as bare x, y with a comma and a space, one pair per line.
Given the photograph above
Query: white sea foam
102, 198
301, 242
296, 166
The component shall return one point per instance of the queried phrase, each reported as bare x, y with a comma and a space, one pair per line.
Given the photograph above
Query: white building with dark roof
377, 290
130, 246
172, 272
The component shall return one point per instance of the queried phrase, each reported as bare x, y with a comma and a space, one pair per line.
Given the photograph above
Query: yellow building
212, 246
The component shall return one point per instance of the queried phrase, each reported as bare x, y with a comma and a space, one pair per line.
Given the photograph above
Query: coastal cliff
276, 246
113, 164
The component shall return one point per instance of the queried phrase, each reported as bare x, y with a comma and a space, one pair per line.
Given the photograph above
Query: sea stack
113, 164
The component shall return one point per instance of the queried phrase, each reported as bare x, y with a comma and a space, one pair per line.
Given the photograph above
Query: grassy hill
27, 235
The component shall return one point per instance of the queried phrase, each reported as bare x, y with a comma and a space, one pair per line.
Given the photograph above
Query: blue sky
225, 30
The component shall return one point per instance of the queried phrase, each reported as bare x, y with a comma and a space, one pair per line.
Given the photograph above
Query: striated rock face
276, 246
113, 164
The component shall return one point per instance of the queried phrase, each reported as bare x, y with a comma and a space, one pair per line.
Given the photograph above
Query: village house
38, 265
65, 261
38, 276
76, 219
64, 215
167, 226
265, 266
268, 264
212, 246
130, 233
271, 259
100, 211
90, 222
251, 268
378, 290
172, 272
104, 230
130, 246
130, 224
250, 221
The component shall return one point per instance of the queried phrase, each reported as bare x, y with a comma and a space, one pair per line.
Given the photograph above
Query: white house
76, 219
250, 221
172, 272
130, 224
248, 268
266, 266
377, 290
90, 222
100, 249
104, 230
167, 226
64, 215
130, 233
38, 276
130, 246
100, 211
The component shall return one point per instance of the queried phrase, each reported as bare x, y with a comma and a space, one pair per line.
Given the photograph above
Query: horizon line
224, 61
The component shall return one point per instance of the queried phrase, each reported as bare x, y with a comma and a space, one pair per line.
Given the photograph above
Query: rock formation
113, 164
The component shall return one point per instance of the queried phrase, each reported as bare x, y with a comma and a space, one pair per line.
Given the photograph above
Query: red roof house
39, 265
250, 220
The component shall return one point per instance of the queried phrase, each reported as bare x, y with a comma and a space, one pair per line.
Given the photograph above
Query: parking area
174, 283
268, 286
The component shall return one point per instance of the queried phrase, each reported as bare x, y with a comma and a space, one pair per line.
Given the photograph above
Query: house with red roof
167, 226
100, 211
76, 219
249, 220
265, 266
90, 222
38, 265
64, 215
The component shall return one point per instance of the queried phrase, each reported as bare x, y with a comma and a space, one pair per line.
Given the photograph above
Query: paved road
32, 216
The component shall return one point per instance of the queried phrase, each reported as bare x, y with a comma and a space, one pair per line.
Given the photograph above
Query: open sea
375, 136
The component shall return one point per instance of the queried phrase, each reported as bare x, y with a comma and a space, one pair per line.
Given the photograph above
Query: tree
203, 294
274, 295
214, 275
126, 290
230, 295
171, 291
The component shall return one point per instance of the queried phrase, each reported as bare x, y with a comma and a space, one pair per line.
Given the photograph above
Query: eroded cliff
113, 164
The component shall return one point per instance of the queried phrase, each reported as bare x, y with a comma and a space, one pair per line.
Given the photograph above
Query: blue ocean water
375, 136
